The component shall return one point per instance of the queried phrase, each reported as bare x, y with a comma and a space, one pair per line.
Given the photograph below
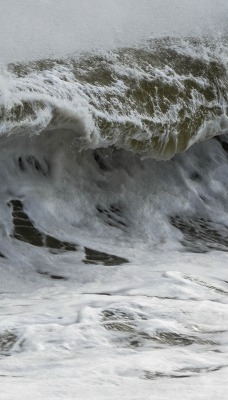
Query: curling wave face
156, 100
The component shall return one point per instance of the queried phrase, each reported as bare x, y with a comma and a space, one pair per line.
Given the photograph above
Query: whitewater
113, 199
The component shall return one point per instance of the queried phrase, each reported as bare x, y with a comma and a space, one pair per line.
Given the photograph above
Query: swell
155, 100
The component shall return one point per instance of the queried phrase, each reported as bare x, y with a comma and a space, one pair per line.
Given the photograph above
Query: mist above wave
37, 29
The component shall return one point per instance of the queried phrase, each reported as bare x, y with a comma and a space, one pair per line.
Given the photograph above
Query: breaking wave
114, 199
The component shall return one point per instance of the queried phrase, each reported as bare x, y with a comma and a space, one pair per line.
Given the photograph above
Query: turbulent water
114, 226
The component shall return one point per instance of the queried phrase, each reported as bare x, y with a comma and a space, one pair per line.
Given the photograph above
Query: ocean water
113, 200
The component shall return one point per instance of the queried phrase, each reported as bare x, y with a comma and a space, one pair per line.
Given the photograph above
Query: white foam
134, 328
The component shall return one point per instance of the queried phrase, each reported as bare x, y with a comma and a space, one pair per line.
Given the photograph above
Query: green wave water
155, 100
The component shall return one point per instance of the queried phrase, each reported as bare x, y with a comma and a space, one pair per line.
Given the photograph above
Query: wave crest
156, 101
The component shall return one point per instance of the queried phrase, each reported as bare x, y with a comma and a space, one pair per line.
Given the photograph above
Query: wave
156, 100
112, 245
